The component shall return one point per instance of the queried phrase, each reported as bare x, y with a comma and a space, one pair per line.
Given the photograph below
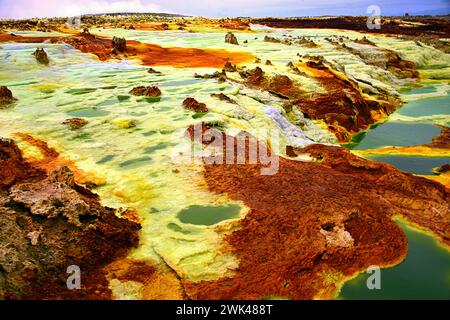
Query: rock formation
50, 223
41, 56
302, 239
151, 91
6, 96
119, 44
231, 38
75, 123
194, 105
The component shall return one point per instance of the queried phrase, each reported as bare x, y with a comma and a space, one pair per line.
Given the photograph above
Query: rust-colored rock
50, 223
223, 97
279, 85
75, 123
194, 105
343, 107
151, 91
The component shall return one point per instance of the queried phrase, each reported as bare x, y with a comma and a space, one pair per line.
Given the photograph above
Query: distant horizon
172, 14
29, 9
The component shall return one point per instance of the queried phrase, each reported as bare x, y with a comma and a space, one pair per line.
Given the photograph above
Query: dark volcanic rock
41, 56
194, 105
75, 123
215, 75
229, 67
146, 91
50, 223
231, 38
6, 96
120, 44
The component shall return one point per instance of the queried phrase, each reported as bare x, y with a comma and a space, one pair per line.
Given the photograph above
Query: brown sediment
157, 284
50, 223
414, 26
148, 54
325, 221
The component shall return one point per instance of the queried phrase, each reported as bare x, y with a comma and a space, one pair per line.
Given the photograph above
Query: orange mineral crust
324, 222
343, 108
148, 54
52, 160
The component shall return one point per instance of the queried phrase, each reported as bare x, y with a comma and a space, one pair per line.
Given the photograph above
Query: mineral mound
194, 105
151, 91
6, 96
50, 223
41, 56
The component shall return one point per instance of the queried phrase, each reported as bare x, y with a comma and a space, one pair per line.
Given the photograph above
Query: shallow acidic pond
208, 215
413, 164
424, 274
395, 134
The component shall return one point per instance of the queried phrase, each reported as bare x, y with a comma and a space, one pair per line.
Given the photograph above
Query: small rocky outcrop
442, 169
231, 38
50, 223
223, 97
41, 56
75, 123
6, 96
221, 76
119, 44
150, 91
229, 67
194, 105
151, 70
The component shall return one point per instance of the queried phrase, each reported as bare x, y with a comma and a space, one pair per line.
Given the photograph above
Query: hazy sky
215, 8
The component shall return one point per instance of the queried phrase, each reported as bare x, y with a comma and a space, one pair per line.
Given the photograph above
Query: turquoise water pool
424, 274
